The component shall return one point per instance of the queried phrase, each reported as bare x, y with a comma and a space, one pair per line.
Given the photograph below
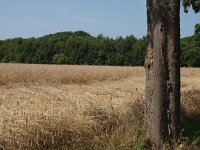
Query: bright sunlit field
79, 107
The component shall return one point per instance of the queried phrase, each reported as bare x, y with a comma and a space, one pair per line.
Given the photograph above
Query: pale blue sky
34, 18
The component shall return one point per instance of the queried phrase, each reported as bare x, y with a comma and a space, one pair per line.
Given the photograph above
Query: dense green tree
59, 59
190, 49
197, 35
82, 48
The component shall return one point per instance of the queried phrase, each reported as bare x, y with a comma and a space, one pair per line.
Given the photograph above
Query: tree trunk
162, 64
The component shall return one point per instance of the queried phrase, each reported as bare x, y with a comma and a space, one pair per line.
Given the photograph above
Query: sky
113, 18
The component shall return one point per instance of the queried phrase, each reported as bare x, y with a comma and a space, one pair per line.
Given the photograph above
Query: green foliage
190, 50
197, 28
74, 48
141, 142
82, 48
194, 3
59, 59
197, 35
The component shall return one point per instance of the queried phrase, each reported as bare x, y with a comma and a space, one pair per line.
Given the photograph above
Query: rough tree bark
162, 65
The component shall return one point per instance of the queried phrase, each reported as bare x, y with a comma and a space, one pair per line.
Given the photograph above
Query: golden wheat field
78, 107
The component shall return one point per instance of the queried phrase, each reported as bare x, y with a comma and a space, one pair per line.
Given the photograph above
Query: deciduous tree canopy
194, 3
82, 48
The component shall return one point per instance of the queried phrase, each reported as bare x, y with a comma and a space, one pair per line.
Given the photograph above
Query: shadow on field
191, 125
191, 118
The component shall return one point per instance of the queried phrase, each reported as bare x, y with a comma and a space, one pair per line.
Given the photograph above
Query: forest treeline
82, 48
